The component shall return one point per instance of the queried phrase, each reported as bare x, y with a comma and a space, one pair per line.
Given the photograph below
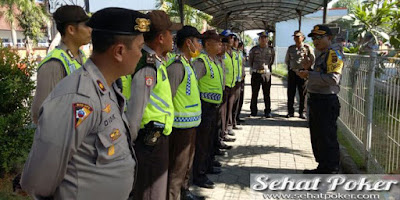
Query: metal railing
370, 113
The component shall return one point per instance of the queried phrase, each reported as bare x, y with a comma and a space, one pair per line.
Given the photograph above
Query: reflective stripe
71, 66
158, 107
186, 124
189, 106
209, 65
212, 96
187, 119
188, 90
158, 98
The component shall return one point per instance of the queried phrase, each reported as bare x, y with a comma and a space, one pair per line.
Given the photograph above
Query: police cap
70, 14
188, 31
227, 33
298, 33
119, 21
320, 30
160, 21
263, 34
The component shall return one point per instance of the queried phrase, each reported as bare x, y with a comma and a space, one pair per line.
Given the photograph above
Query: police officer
150, 111
210, 75
238, 84
231, 70
82, 146
187, 105
261, 58
242, 58
294, 57
324, 107
65, 58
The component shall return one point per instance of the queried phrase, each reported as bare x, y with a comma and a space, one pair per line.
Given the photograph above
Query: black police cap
119, 21
188, 31
320, 30
70, 14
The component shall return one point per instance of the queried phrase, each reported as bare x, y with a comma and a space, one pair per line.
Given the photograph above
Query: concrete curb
347, 164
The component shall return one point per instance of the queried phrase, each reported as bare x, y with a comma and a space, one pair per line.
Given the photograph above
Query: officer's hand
306, 62
303, 74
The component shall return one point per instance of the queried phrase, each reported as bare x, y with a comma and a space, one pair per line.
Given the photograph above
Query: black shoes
216, 163
188, 195
225, 146
268, 115
289, 115
236, 128
302, 116
228, 139
205, 183
221, 152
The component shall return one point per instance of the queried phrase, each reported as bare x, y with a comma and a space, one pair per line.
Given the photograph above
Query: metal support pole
299, 13
370, 107
325, 11
181, 14
87, 6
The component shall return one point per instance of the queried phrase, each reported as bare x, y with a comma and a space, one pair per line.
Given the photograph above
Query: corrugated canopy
254, 14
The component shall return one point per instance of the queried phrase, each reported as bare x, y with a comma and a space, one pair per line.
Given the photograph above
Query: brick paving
277, 145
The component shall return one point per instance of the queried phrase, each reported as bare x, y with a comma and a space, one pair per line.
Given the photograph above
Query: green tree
192, 16
30, 16
344, 4
248, 41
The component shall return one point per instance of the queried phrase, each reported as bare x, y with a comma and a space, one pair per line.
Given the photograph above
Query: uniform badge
149, 81
101, 85
82, 111
115, 134
150, 59
142, 24
107, 109
111, 150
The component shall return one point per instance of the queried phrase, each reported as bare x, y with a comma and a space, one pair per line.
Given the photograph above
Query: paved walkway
278, 145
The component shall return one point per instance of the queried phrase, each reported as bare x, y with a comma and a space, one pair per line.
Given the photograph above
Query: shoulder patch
150, 59
101, 85
81, 111
149, 81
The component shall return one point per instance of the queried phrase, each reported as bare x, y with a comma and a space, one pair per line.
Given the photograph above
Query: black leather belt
322, 96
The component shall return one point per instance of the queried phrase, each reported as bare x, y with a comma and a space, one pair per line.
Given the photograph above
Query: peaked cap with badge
263, 34
320, 30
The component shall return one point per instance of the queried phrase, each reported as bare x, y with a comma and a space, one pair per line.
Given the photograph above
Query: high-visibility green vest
230, 69
69, 64
240, 65
187, 102
160, 107
126, 86
210, 84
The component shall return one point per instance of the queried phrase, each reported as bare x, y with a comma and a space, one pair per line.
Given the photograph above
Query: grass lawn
280, 70
357, 158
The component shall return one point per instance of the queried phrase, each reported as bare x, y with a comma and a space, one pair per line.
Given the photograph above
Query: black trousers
227, 110
324, 111
294, 82
152, 173
258, 80
204, 140
241, 99
235, 109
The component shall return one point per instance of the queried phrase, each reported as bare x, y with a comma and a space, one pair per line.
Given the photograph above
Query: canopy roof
254, 14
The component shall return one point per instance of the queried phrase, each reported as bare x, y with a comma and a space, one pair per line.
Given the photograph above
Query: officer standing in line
261, 58
82, 146
324, 106
210, 76
231, 70
187, 105
66, 57
238, 83
294, 57
150, 111
242, 78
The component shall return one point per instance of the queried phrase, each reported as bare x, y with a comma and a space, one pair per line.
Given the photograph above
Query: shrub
16, 87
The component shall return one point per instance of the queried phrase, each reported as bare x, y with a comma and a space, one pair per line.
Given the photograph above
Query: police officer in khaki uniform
323, 87
82, 146
261, 58
294, 57
210, 75
65, 58
150, 111
187, 106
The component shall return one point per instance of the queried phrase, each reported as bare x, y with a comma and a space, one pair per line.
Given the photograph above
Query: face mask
195, 53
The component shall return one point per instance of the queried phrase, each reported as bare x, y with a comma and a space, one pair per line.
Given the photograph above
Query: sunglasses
318, 37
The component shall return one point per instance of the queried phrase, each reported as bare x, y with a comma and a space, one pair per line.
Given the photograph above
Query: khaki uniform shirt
295, 55
49, 74
81, 148
261, 58
327, 72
